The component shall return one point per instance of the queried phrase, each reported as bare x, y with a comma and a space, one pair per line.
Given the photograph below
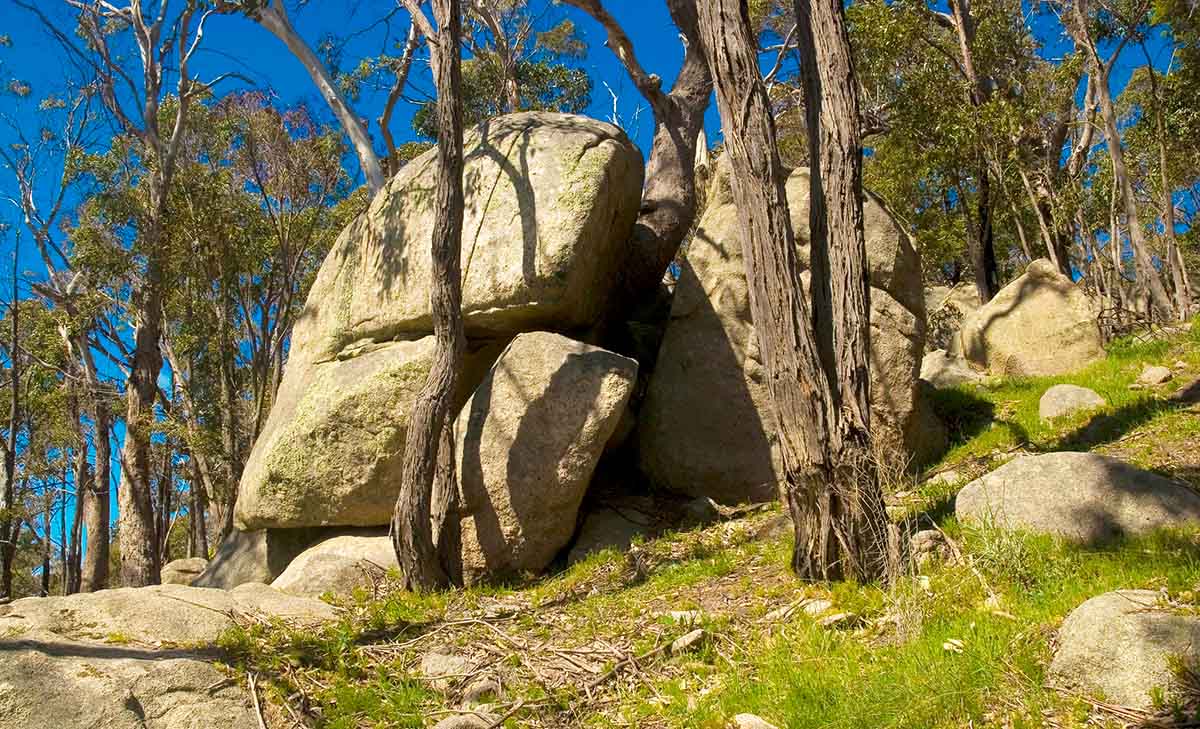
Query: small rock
1155, 375
1180, 365
1136, 386
687, 641
700, 511
483, 690
750, 721
944, 370
466, 721
774, 528
444, 668
945, 478
816, 607
1062, 400
836, 620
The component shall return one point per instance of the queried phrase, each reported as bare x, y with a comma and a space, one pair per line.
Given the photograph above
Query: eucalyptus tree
140, 58
819, 384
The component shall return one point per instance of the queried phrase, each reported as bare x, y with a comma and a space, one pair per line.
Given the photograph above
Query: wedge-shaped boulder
527, 443
48, 682
183, 571
332, 448
1084, 497
157, 614
1062, 400
1124, 646
254, 556
339, 564
1040, 324
550, 201
706, 427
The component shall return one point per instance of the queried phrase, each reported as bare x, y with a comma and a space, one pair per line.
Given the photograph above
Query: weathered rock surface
183, 571
48, 682
172, 614
706, 427
255, 556
1155, 375
339, 565
943, 370
945, 309
1061, 400
1084, 497
1040, 324
750, 721
606, 529
527, 443
550, 201
331, 451
1121, 645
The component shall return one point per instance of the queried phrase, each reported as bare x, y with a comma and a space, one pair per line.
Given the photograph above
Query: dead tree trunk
421, 567
814, 433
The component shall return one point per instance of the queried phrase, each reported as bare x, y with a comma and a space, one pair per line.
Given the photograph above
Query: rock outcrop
339, 564
1040, 324
1122, 645
1061, 400
527, 443
172, 614
1084, 497
550, 203
705, 428
48, 682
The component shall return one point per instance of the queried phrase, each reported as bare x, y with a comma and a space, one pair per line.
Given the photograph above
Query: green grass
894, 665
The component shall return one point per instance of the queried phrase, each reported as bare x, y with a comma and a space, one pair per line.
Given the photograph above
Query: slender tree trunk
83, 477
802, 395
199, 509
47, 543
421, 567
139, 553
1179, 280
8, 494
97, 509
274, 18
1149, 284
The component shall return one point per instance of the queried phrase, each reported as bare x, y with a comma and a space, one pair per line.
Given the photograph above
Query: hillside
963, 640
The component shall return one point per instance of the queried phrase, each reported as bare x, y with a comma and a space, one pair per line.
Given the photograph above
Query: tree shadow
1104, 428
964, 413
547, 435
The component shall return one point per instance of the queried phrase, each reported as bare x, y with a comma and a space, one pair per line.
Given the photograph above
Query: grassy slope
892, 665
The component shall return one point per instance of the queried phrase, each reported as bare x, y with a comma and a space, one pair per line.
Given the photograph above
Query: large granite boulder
527, 443
1084, 497
50, 682
706, 427
1123, 645
170, 614
1040, 324
333, 445
254, 556
550, 203
339, 564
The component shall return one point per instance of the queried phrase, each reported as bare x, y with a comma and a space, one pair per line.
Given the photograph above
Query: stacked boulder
550, 204
706, 426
